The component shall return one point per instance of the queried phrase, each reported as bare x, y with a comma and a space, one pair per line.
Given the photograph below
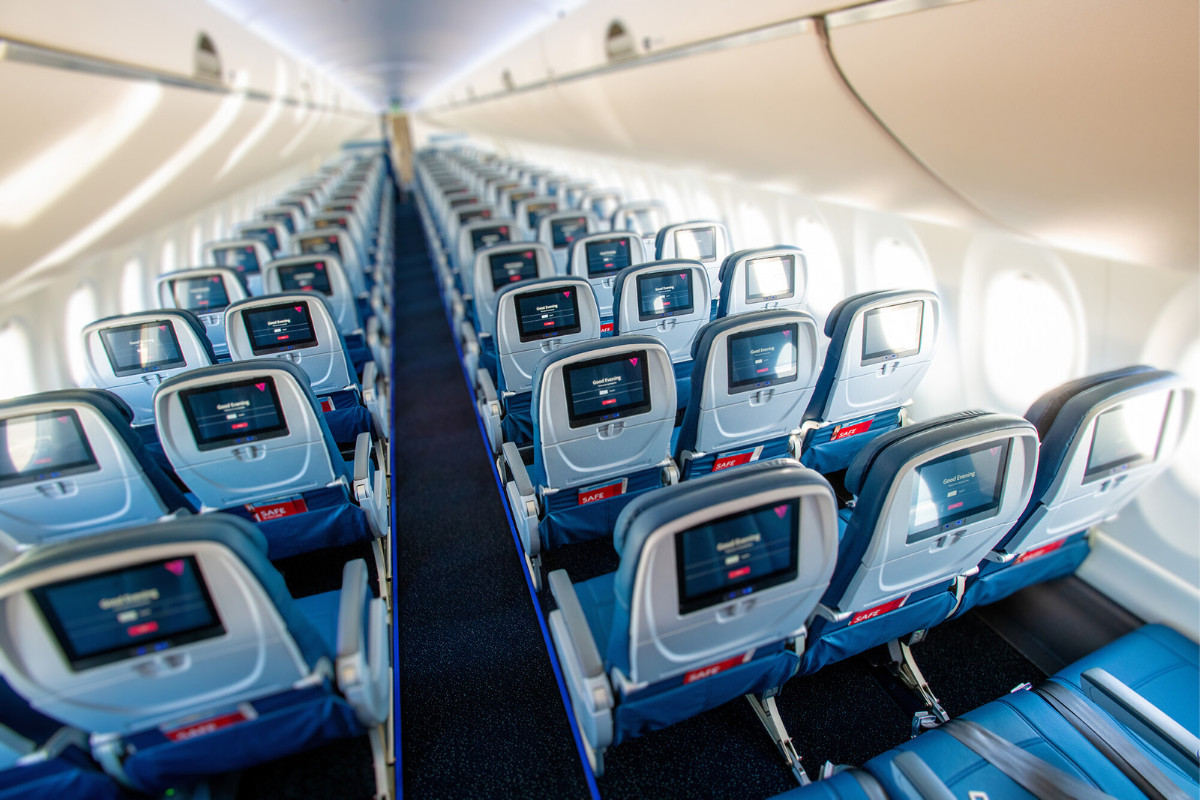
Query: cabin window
80, 310
16, 379
826, 286
1030, 341
167, 261
133, 279
197, 244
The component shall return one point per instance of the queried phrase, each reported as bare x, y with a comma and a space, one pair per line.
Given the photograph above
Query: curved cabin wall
1035, 163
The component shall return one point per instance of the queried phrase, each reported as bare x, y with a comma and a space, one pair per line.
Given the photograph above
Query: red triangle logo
566, 294
299, 309
633, 361
780, 511
175, 567
262, 387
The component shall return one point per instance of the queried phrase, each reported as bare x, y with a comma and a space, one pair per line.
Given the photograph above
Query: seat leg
905, 667
768, 714
383, 786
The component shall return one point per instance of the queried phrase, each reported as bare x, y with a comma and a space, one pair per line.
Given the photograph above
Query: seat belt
1108, 739
1040, 778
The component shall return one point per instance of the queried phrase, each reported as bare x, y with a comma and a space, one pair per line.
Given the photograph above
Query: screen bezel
489, 230
766, 298
122, 372
579, 421
204, 445
293, 267
73, 468
207, 310
330, 239
960, 520
79, 663
751, 385
869, 358
676, 312
236, 267
492, 269
692, 230
628, 244
1091, 473
298, 344
538, 336
690, 605
581, 219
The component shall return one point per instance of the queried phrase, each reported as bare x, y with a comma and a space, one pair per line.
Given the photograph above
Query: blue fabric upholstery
845, 785
775, 448
567, 522
683, 382
17, 716
118, 415
517, 424
188, 318
322, 611
332, 520
997, 581
358, 350
723, 275
71, 775
822, 452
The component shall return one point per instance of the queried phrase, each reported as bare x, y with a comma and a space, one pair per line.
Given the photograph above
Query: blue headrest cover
238, 535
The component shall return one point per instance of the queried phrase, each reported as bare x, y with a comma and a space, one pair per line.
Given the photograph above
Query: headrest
182, 315
733, 295
631, 272
1045, 409
857, 471
586, 349
111, 407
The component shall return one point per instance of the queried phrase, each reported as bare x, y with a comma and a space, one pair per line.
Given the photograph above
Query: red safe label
326, 405
736, 459
845, 431
278, 510
1040, 551
872, 613
594, 493
713, 669
243, 713
606, 327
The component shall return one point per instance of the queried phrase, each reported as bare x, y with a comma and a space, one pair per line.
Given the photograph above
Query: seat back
881, 345
335, 242
245, 256
1104, 438
245, 432
297, 327
348, 222
465, 215
763, 279
70, 465
600, 257
753, 377
286, 216
473, 237
932, 499
146, 627
271, 233
643, 217
561, 229
494, 193
530, 211
502, 265
206, 292
603, 203
511, 199
537, 317
323, 275
716, 567
668, 300
298, 207
572, 193
130, 355
601, 409
705, 241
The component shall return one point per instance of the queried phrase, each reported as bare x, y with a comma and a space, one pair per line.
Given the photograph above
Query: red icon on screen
633, 361
262, 387
175, 567
780, 511
739, 572
142, 629
566, 294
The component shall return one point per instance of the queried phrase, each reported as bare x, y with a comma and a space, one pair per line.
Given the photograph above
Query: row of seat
712, 598
151, 640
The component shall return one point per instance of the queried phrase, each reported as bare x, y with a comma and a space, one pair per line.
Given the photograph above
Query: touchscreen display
1126, 436
737, 555
234, 413
283, 219
697, 243
146, 347
541, 315
664, 294
607, 388
40, 447
243, 258
762, 357
129, 612
957, 489
607, 256
565, 231
892, 332
265, 234
486, 237
274, 329
535, 211
645, 220
515, 199
770, 278
463, 201
470, 216
318, 245
512, 267
312, 277
203, 295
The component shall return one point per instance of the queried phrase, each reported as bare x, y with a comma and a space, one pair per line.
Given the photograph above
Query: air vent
207, 62
619, 44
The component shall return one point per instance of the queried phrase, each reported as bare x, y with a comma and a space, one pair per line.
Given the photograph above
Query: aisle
480, 712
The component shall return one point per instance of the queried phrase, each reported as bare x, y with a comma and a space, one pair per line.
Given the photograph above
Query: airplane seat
599, 258
299, 327
242, 676
533, 319
473, 237
705, 241
285, 216
601, 202
529, 212
465, 215
496, 267
271, 233
354, 233
643, 217
717, 578
206, 292
1104, 437
249, 438
930, 500
71, 465
738, 411
560, 230
336, 242
668, 300
603, 413
572, 192
881, 345
245, 256
763, 279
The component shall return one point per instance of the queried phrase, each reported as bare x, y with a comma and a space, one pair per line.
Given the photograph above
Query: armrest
1143, 717
512, 455
483, 380
576, 623
362, 469
362, 670
369, 378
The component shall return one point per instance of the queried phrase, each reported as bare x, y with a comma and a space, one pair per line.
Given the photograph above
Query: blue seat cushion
598, 601
322, 611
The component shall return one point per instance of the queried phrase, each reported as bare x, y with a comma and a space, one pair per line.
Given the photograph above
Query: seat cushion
322, 611
598, 601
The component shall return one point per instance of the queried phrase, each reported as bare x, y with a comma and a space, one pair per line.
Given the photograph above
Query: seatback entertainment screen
609, 388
